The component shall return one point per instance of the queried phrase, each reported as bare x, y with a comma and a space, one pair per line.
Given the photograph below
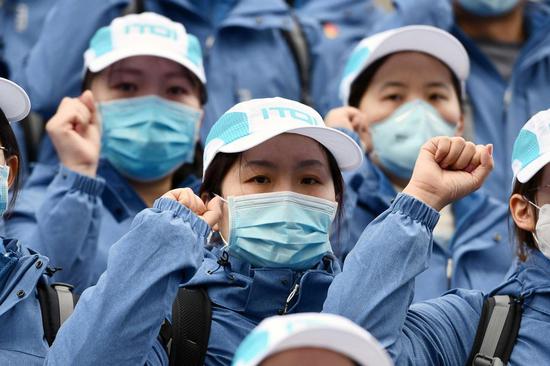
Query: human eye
177, 90
310, 181
126, 87
259, 179
393, 97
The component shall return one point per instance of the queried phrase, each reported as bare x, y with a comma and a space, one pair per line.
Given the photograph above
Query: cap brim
525, 174
432, 41
14, 102
365, 351
347, 153
107, 60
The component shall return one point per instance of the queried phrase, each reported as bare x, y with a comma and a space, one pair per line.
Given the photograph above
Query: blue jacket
117, 321
74, 220
247, 41
500, 107
479, 253
440, 331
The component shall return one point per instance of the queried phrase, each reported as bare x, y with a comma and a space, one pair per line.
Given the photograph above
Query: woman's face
147, 75
407, 76
288, 162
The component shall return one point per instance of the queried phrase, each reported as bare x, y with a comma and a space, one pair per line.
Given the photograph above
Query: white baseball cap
312, 330
255, 121
531, 150
145, 34
14, 102
421, 38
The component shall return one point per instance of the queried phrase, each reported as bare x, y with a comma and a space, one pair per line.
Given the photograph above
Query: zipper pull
290, 297
449, 272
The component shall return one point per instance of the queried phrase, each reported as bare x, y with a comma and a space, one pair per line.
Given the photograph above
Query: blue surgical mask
4, 175
397, 139
280, 229
488, 8
147, 138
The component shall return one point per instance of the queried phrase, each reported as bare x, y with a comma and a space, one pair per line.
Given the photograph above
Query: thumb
87, 98
482, 171
213, 211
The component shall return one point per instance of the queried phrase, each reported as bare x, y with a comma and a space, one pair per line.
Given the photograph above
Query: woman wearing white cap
310, 339
401, 88
442, 331
114, 320
129, 138
276, 168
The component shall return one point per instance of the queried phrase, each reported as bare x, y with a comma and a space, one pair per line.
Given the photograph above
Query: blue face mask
397, 139
4, 175
147, 138
488, 8
280, 229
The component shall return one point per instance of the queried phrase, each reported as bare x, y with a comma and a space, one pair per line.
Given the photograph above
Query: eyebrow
126, 70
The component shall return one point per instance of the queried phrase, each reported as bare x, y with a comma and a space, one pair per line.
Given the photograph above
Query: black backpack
185, 339
497, 331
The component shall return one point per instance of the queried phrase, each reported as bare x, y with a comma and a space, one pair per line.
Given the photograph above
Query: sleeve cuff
79, 182
197, 224
415, 209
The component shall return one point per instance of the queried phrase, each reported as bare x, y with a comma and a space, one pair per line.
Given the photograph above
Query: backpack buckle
482, 360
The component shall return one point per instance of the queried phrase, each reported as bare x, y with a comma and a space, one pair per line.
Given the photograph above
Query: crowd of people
241, 182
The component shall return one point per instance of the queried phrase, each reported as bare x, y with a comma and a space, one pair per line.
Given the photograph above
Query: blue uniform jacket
478, 256
74, 220
117, 321
500, 107
379, 274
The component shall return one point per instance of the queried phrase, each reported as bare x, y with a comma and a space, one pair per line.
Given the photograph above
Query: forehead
413, 66
287, 148
148, 65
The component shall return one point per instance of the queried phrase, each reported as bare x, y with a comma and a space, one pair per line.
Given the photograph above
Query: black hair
219, 167
9, 143
363, 80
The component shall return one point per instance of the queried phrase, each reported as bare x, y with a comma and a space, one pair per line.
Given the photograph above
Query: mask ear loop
532, 233
225, 242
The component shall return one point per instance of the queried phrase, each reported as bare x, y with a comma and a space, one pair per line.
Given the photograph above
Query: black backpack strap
297, 42
134, 7
497, 331
57, 303
186, 339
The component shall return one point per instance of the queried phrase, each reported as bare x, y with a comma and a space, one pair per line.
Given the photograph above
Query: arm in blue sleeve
53, 67
379, 274
118, 320
65, 226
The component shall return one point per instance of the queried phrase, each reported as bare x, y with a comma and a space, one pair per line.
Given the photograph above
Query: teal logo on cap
526, 148
154, 29
286, 112
356, 60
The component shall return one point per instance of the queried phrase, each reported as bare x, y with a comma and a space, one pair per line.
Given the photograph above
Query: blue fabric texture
95, 213
439, 331
481, 234
117, 321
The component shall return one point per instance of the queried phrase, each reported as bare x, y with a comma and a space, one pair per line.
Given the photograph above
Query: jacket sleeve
379, 274
117, 321
64, 226
65, 36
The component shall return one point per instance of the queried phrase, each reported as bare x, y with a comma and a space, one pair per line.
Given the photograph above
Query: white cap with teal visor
253, 122
531, 150
145, 34
310, 330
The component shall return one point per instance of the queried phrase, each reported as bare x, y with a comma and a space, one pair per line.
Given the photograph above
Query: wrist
87, 169
430, 198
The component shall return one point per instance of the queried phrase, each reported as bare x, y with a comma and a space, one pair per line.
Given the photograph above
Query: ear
523, 213
13, 163
460, 126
